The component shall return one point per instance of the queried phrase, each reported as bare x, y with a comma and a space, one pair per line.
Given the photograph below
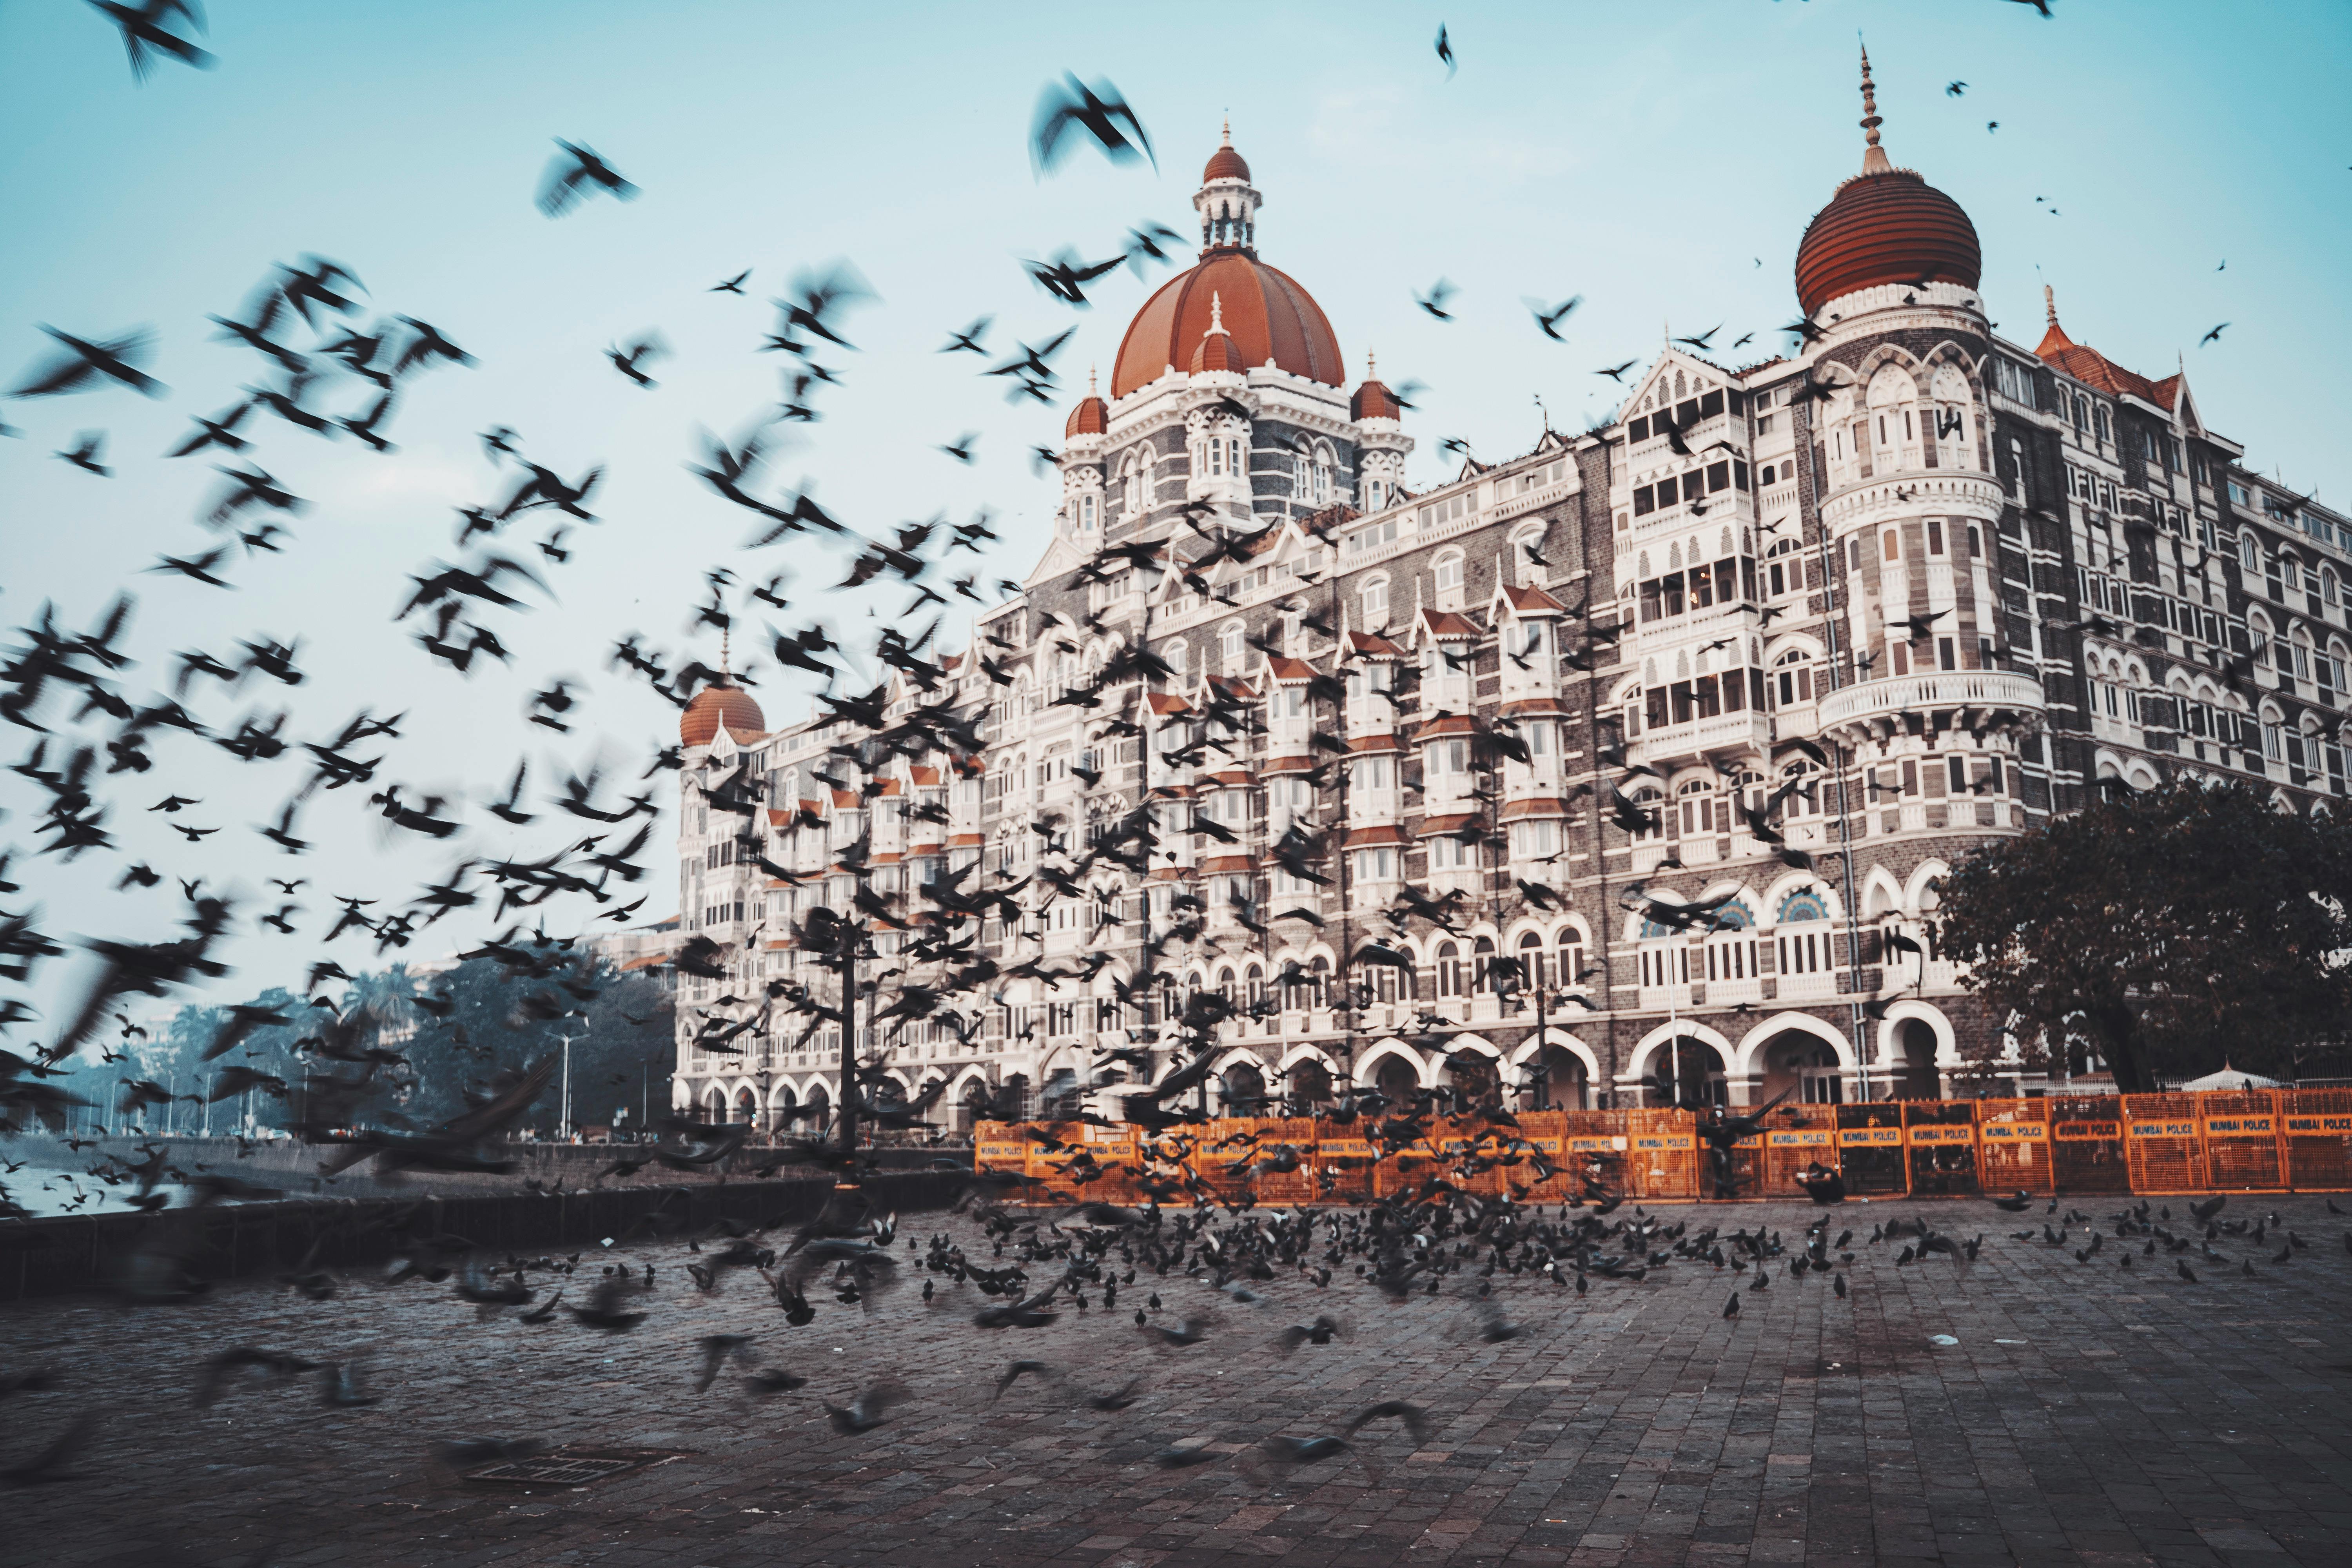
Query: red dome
1373, 400
699, 723
1271, 319
1881, 228
1090, 418
1224, 164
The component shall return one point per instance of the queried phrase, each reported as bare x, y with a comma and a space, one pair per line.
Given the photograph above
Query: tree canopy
2167, 931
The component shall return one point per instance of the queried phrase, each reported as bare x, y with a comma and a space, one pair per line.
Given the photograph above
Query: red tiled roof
1446, 624
1452, 724
1232, 778
1223, 865
968, 840
1373, 745
924, 777
1431, 827
1165, 703
1381, 834
1527, 599
1540, 807
844, 800
1289, 668
1535, 707
1374, 646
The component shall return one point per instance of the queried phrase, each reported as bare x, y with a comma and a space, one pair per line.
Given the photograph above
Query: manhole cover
573, 1465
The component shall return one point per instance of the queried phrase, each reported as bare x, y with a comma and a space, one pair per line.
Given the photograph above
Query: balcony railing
1990, 691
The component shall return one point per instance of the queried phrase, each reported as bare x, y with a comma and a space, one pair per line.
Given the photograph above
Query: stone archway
1911, 1060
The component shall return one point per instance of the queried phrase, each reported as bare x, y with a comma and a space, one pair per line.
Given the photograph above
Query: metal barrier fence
2143, 1144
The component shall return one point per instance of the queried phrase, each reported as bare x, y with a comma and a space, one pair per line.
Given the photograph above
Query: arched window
1175, 654
1449, 969
1568, 959
1793, 678
1481, 964
1534, 970
1651, 801
1700, 813
1447, 571
1375, 596
1803, 933
1230, 645
1784, 569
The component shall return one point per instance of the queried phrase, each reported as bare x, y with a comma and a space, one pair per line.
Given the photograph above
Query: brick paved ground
2085, 1415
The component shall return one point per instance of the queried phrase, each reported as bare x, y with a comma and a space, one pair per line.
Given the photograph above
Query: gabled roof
2089, 366
1447, 623
1373, 646
1531, 600
1166, 702
1287, 668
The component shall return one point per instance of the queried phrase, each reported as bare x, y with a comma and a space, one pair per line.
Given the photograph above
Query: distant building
1787, 639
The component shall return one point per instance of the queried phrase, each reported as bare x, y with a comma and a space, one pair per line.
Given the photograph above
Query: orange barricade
1661, 1161
1595, 1144
1939, 1140
1870, 1149
2164, 1143
1796, 1138
2242, 1133
1347, 1163
2319, 1138
2086, 1145
2254, 1141
2013, 1145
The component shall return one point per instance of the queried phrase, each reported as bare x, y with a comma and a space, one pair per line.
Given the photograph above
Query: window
1890, 546
1376, 600
1531, 839
1784, 571
1372, 538
1793, 678
1379, 865
1086, 513
1230, 644
1448, 571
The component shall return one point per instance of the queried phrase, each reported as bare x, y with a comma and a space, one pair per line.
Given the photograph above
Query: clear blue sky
1647, 157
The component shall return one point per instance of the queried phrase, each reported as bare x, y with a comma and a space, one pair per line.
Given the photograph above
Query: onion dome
1884, 226
1373, 400
1271, 319
720, 702
1224, 164
1091, 417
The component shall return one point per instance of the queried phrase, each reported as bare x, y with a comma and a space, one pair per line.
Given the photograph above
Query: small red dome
1881, 228
1090, 418
1218, 351
698, 725
1224, 164
1373, 400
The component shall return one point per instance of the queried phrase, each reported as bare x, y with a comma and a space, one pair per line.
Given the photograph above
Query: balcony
1973, 699
1743, 730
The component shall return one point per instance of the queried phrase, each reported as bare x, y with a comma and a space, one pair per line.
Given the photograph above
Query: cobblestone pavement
2085, 1414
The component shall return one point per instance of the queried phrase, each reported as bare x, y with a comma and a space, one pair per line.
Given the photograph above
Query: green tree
2167, 931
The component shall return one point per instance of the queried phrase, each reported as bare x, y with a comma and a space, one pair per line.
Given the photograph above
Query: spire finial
1216, 316
1873, 156
726, 667
1372, 364
2049, 303
1090, 381
1228, 132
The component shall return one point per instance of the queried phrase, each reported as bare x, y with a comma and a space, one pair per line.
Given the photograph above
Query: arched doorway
973, 1104
747, 1105
1913, 1067
714, 1104
1397, 1080
1557, 1080
781, 1106
1802, 1062
1240, 1091
1310, 1086
1686, 1072
1473, 1077
1058, 1100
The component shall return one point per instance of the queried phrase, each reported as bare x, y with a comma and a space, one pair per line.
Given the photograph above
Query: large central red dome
1272, 321
1269, 319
